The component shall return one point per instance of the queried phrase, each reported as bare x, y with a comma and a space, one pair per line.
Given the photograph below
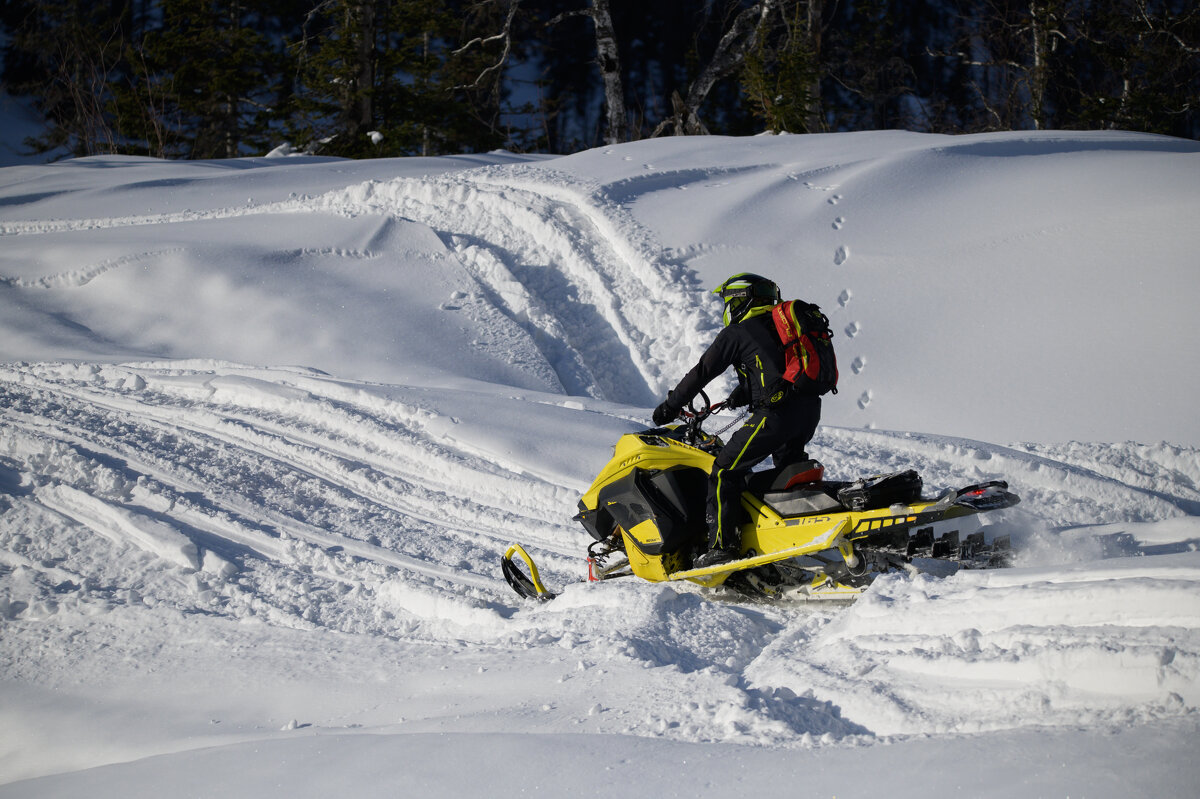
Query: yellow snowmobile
803, 536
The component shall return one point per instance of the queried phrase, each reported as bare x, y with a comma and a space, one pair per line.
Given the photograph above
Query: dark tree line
361, 78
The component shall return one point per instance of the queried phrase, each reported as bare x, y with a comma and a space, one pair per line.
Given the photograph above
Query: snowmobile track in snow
244, 480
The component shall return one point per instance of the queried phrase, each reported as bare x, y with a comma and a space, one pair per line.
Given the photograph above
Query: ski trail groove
270, 493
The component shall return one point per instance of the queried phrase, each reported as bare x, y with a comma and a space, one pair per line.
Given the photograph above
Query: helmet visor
740, 292
735, 306
735, 298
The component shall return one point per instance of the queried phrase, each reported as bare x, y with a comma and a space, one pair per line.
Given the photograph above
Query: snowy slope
267, 425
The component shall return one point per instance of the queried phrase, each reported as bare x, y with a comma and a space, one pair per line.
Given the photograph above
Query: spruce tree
781, 75
378, 78
207, 75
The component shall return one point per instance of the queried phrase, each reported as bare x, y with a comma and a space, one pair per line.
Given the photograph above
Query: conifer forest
370, 78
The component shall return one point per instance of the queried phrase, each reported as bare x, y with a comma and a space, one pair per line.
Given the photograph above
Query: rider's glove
738, 397
666, 412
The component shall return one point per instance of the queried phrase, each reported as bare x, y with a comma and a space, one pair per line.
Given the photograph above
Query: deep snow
266, 426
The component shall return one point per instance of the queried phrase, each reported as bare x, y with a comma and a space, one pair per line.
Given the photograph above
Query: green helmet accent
745, 291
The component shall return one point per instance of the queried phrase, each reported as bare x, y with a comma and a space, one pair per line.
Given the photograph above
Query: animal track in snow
865, 398
853, 329
859, 364
841, 256
835, 199
839, 222
844, 297
808, 184
83, 276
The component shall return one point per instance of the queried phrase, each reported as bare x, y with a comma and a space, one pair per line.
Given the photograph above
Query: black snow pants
781, 432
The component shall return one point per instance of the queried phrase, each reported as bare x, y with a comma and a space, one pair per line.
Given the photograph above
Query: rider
782, 421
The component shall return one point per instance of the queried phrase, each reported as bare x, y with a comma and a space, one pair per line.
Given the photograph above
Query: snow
267, 425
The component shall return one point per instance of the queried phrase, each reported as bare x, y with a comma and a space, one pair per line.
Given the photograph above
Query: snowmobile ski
528, 586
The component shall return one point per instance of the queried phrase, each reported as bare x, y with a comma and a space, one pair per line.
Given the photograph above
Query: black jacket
753, 348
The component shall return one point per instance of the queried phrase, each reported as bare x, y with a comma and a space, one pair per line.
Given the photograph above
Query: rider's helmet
743, 292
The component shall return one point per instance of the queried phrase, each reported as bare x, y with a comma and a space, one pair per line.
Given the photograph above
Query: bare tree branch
505, 37
729, 56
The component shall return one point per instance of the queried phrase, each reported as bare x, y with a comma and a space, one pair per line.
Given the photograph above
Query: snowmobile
803, 536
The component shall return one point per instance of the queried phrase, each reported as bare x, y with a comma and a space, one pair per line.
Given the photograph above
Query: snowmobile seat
802, 501
797, 489
784, 478
797, 474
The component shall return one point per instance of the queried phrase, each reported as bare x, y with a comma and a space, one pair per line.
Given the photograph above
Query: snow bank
1101, 643
1040, 764
121, 525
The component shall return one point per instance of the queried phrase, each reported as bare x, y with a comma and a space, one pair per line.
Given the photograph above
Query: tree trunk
361, 111
729, 56
610, 70
815, 121
1039, 19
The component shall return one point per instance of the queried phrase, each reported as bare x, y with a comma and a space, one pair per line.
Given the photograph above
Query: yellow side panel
768, 532
648, 567
646, 533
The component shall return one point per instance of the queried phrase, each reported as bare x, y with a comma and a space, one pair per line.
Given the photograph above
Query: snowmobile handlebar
694, 417
704, 411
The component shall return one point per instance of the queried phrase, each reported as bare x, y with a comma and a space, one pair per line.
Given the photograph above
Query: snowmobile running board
721, 569
531, 587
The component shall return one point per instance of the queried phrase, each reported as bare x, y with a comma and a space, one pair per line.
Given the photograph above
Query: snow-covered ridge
1028, 250
578, 275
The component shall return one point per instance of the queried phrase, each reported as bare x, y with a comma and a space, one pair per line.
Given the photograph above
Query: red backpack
809, 362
